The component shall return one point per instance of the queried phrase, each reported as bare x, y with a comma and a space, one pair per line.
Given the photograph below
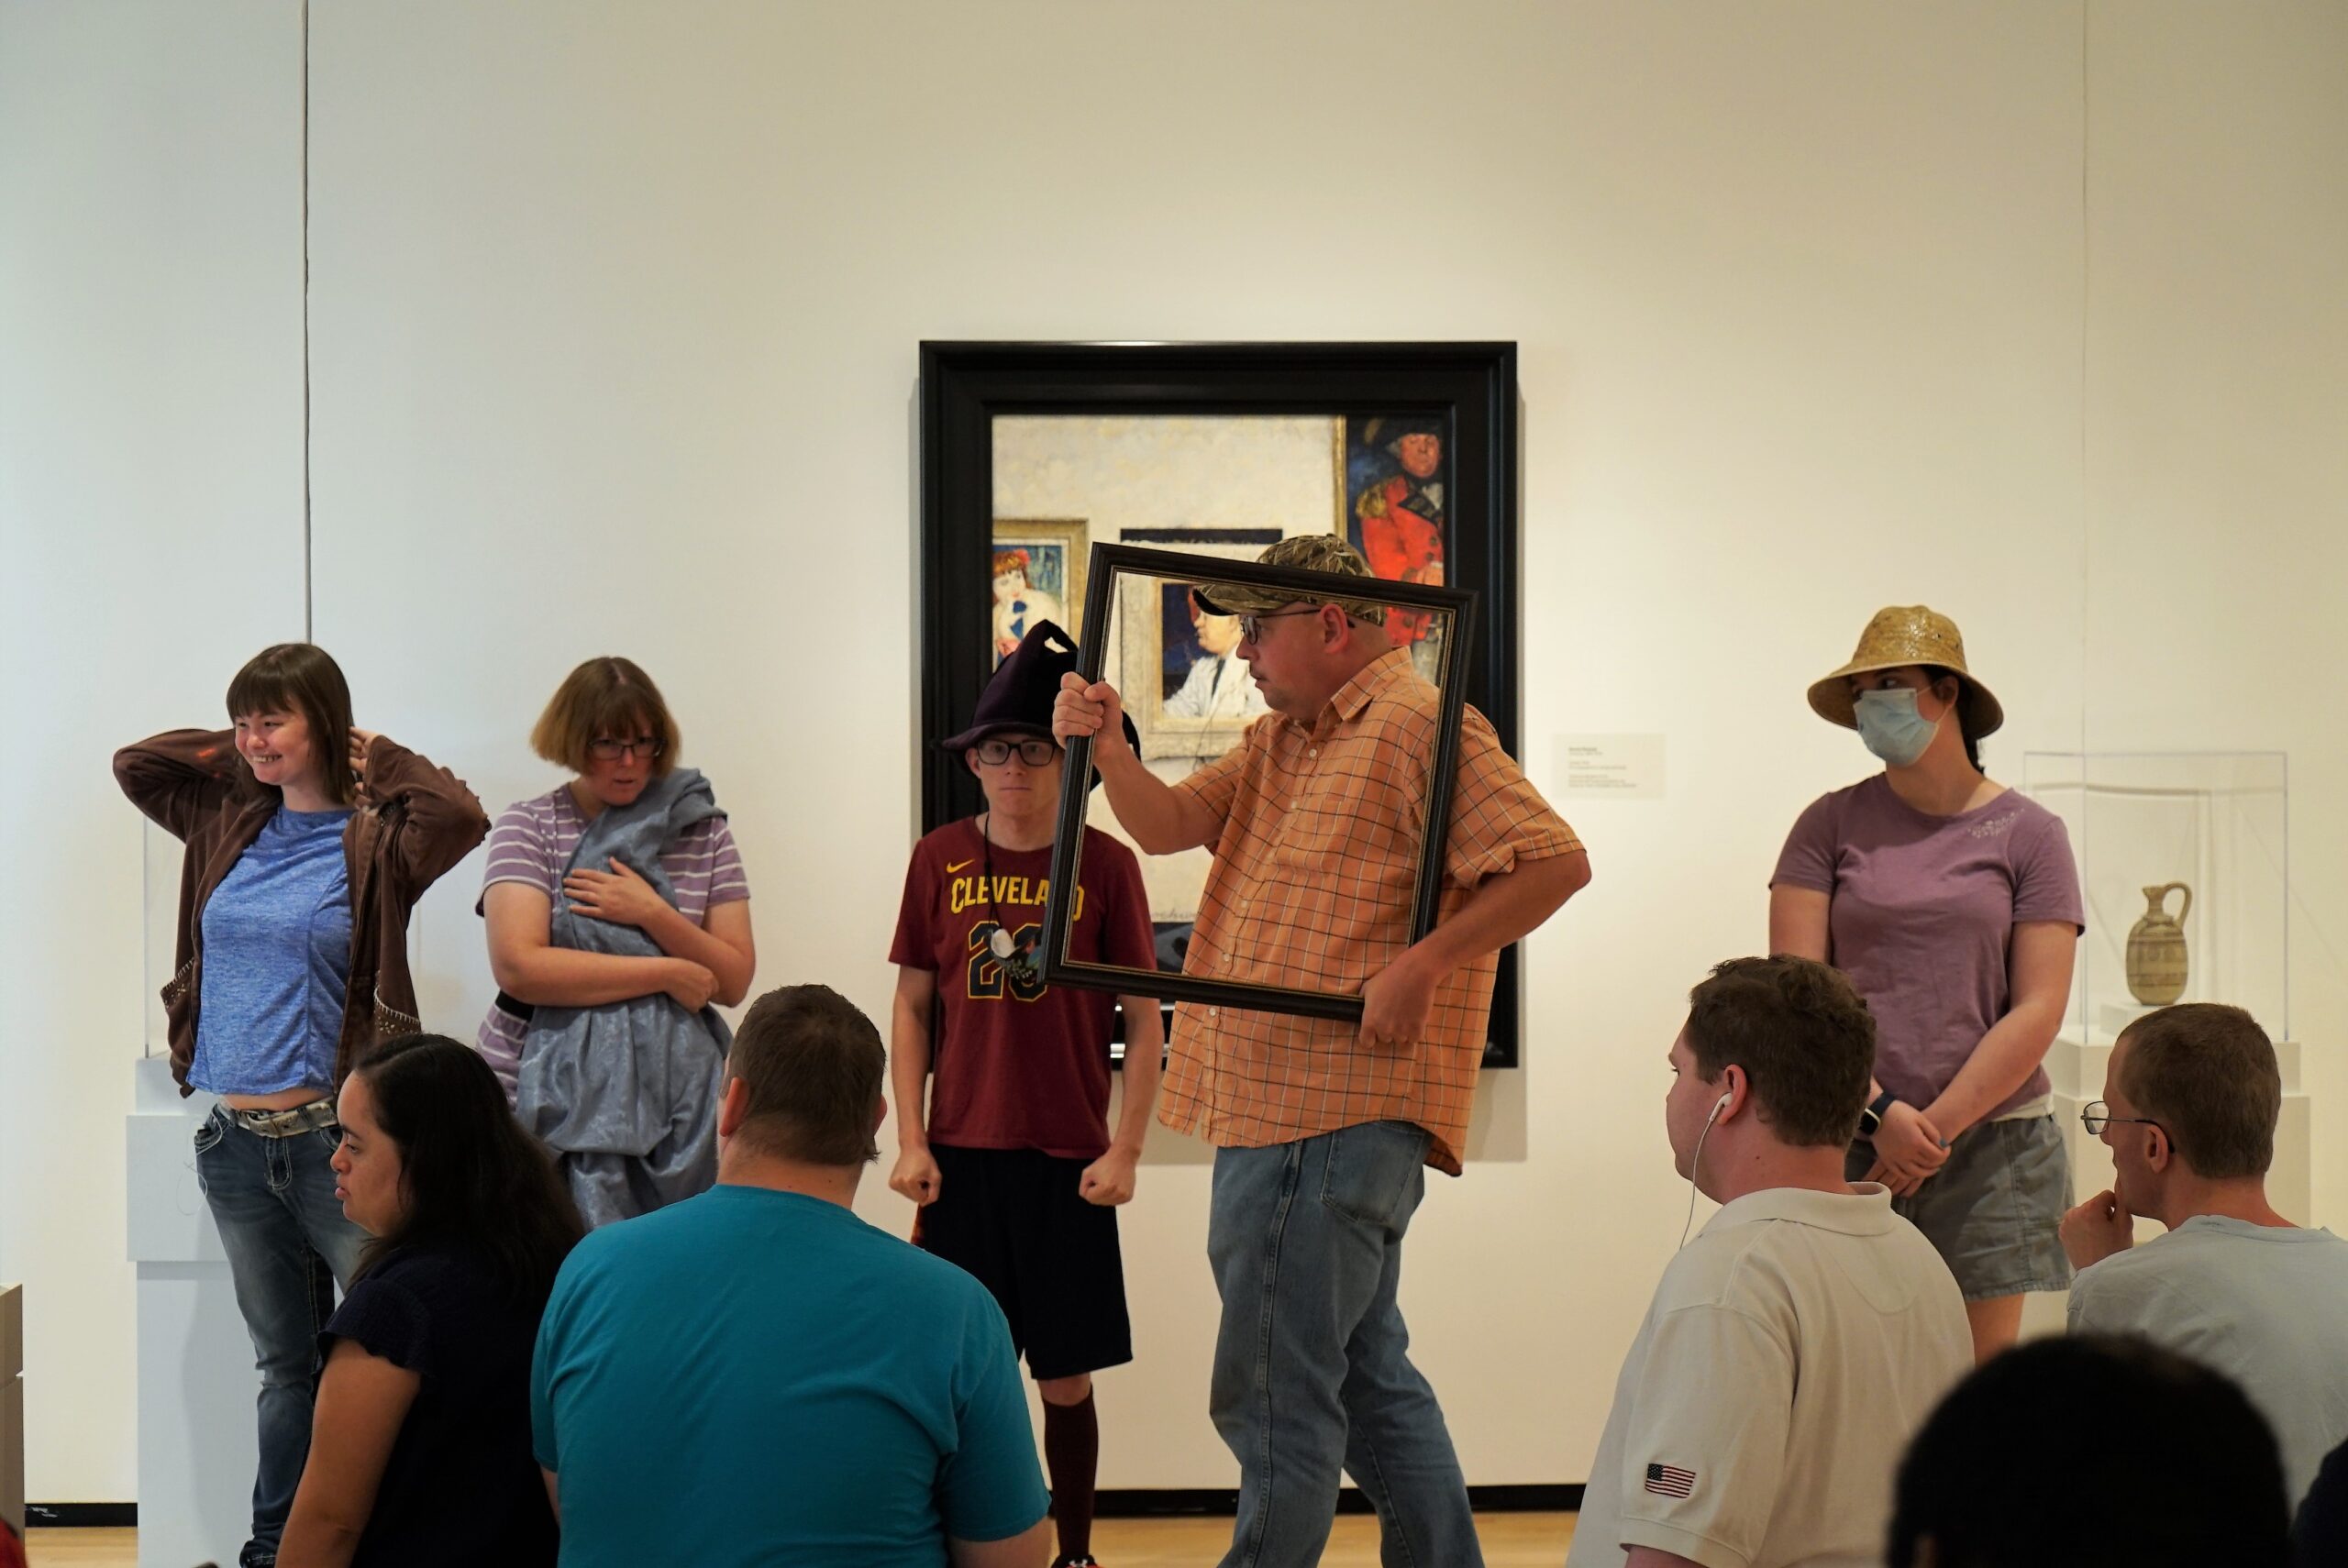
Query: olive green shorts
1994, 1210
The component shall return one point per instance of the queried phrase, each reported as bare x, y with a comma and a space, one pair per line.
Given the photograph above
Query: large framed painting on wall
1033, 453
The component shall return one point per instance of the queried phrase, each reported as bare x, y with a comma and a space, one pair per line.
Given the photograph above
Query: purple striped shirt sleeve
728, 883
518, 850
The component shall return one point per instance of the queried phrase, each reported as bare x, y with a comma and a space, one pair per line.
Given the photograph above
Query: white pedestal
197, 1385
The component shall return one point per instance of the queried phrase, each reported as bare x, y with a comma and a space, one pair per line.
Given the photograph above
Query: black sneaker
1086, 1561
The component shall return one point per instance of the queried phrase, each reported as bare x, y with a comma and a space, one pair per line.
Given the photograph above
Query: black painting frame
965, 385
1109, 563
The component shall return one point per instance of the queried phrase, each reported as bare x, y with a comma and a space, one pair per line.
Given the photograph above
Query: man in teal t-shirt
756, 1376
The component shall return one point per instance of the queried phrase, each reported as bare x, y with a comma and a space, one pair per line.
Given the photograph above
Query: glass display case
2183, 863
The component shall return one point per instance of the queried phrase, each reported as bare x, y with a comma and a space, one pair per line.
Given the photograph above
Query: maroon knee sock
1072, 1455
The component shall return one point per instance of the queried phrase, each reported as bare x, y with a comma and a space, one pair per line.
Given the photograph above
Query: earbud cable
1694, 1164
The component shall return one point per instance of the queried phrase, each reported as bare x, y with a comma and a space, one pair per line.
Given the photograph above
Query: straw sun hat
1900, 635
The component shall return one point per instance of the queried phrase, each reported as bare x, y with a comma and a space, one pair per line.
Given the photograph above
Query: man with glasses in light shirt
2192, 1097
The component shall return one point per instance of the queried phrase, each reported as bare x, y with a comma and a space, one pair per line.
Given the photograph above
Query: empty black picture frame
965, 385
1108, 563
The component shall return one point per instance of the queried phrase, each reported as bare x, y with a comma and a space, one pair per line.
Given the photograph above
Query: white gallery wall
2034, 313
151, 539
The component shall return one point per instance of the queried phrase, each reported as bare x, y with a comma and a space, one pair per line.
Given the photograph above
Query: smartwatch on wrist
1872, 1117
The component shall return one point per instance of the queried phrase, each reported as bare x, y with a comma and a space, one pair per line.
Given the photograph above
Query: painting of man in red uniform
1395, 482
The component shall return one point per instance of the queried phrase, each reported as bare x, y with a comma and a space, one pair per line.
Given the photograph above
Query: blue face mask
1892, 728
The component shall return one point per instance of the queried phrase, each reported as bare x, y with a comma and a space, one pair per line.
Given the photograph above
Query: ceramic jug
2156, 948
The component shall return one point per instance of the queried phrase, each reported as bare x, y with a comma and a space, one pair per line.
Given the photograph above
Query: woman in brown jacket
308, 842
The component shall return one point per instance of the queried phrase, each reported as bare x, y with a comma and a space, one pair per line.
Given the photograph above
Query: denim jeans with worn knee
289, 1247
1311, 1369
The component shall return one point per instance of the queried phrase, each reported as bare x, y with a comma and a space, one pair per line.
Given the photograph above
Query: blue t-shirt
757, 1378
276, 961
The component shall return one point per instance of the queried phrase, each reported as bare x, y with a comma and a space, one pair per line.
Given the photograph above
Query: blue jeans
288, 1248
1312, 1367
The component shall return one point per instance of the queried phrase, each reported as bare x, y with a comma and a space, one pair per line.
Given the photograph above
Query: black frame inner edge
1107, 563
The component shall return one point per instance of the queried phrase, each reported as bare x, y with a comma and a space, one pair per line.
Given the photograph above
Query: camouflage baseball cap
1303, 552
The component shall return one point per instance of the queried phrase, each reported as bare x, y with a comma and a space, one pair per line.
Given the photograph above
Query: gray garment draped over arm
632, 1076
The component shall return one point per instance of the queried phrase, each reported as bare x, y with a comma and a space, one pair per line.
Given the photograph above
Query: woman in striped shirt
574, 934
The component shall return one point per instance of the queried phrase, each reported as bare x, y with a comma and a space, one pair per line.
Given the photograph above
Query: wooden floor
1511, 1540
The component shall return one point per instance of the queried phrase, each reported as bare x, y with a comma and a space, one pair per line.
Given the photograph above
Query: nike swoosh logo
955, 865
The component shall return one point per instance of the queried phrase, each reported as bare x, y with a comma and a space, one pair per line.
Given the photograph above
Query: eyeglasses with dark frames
606, 749
2096, 1115
1033, 753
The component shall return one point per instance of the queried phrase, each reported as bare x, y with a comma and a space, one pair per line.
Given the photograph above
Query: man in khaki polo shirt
1799, 1342
1322, 1131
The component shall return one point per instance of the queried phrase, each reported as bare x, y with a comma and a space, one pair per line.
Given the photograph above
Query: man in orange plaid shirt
1316, 821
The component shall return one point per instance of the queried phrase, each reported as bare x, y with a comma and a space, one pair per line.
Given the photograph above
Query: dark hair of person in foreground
2091, 1451
473, 1180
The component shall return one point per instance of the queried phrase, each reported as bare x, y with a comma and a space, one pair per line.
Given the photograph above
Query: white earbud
1718, 1106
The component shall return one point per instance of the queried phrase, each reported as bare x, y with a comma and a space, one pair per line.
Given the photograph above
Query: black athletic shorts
1012, 1218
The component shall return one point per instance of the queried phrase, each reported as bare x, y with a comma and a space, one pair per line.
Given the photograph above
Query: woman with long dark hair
309, 842
421, 1451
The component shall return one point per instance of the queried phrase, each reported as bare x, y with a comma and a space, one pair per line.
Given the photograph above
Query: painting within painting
1201, 696
1038, 575
1397, 474
1201, 674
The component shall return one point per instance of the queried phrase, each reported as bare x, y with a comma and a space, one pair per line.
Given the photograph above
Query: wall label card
1611, 768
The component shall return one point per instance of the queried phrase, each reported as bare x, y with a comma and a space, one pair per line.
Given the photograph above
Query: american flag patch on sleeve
1671, 1481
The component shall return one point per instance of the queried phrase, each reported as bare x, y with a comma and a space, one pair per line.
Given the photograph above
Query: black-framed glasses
606, 749
1251, 627
2096, 1115
1034, 752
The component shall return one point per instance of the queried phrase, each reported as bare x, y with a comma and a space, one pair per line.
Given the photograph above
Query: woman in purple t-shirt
1952, 904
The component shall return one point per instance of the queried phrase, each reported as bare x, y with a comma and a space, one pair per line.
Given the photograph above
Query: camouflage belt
286, 1123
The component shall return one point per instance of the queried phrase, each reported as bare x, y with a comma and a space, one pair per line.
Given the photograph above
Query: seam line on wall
308, 623
2086, 321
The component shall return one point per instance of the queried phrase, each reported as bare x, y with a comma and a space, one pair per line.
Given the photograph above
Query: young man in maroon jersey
1013, 1165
